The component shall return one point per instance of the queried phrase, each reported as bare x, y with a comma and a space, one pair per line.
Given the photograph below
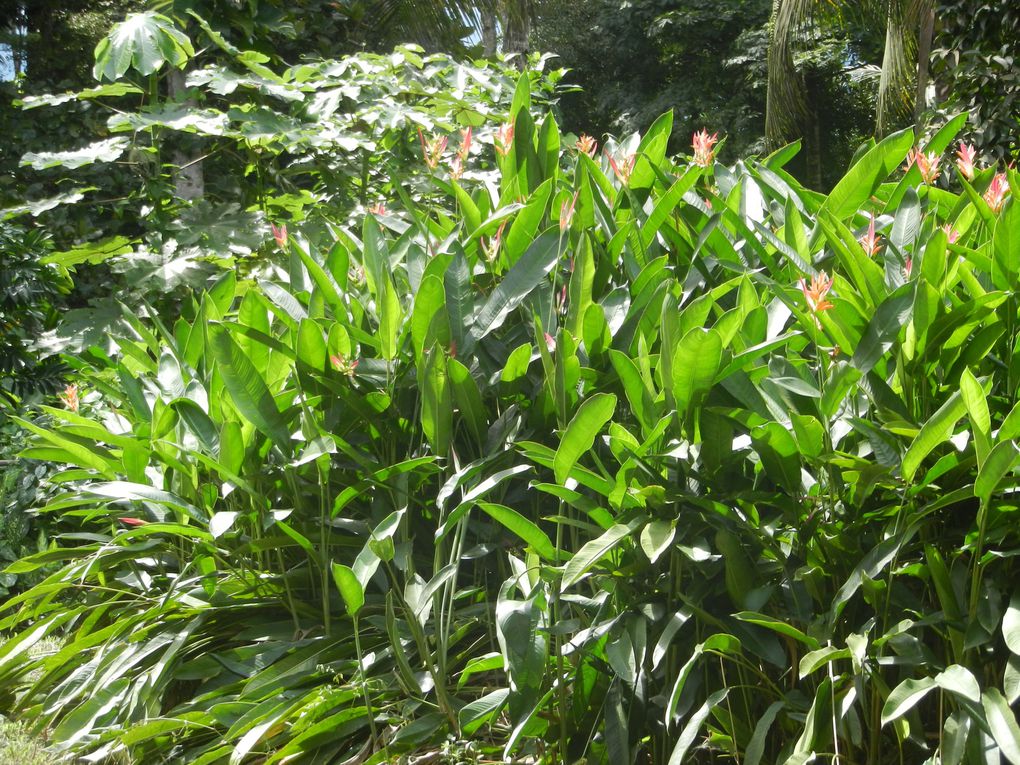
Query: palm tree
908, 30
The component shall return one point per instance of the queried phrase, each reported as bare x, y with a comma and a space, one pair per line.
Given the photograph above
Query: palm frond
785, 107
430, 22
896, 87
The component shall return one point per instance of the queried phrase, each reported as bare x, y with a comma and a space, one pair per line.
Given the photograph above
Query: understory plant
602, 457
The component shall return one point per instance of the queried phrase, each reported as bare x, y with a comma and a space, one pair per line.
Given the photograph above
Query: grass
18, 745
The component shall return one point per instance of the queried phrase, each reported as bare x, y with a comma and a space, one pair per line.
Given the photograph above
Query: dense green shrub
31, 292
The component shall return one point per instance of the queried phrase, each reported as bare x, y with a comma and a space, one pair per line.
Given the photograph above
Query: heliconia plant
608, 458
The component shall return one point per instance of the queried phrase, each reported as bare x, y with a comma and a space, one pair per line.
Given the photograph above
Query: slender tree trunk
189, 178
923, 63
488, 33
516, 31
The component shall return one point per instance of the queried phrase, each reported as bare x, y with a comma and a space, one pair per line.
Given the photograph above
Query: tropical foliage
430, 431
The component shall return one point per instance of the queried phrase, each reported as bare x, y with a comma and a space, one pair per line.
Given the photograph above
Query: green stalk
364, 680
976, 569
561, 686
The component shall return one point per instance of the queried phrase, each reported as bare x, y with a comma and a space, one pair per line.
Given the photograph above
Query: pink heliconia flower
815, 293
928, 164
341, 364
586, 145
704, 154
550, 342
561, 300
951, 233
491, 249
280, 235
870, 241
907, 267
567, 212
623, 168
965, 160
432, 150
70, 397
465, 143
504, 139
378, 209
132, 521
995, 194
457, 168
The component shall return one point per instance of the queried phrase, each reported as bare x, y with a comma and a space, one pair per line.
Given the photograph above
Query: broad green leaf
860, 182
960, 681
349, 587
526, 274
905, 696
428, 317
143, 42
999, 462
817, 718
522, 527
696, 361
756, 746
667, 203
107, 150
476, 713
584, 427
693, 726
469, 400
1002, 723
891, 316
459, 300
656, 538
592, 552
1011, 624
820, 657
935, 432
221, 523
1006, 244
522, 231
436, 402
311, 345
247, 389
138, 492
776, 625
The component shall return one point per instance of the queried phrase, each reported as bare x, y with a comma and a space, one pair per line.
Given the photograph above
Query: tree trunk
488, 33
189, 178
923, 63
517, 30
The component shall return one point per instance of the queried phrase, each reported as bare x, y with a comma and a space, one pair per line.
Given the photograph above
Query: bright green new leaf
696, 361
578, 438
349, 587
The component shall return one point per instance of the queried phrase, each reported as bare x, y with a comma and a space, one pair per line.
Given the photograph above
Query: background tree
975, 69
635, 60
